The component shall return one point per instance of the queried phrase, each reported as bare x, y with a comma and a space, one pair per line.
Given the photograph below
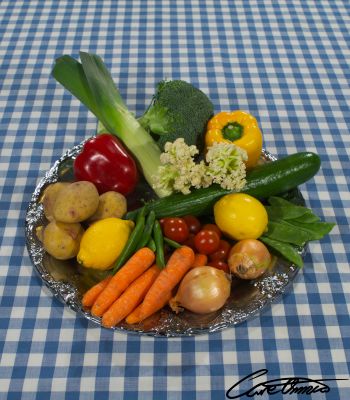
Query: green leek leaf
91, 82
70, 74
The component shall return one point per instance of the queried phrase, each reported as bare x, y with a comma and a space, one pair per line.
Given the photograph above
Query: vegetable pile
220, 214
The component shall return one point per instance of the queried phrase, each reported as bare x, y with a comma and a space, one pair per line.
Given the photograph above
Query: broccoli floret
178, 109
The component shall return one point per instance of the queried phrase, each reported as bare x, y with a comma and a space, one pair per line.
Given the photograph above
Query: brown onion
202, 290
249, 259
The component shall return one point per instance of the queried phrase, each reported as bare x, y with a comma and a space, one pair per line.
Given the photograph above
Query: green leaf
70, 74
291, 225
307, 218
278, 213
316, 230
287, 233
284, 209
108, 99
286, 250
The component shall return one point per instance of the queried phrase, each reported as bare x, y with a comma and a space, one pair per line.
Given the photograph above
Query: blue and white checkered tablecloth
286, 62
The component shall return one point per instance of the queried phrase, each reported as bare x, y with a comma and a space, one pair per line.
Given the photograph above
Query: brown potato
112, 204
39, 231
62, 240
49, 197
76, 203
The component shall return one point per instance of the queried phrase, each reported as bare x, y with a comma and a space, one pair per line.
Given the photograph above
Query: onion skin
249, 259
202, 290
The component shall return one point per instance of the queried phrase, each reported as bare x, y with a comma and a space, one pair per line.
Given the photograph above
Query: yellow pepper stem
237, 127
232, 131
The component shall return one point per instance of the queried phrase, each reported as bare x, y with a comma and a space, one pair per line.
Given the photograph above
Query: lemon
103, 242
240, 216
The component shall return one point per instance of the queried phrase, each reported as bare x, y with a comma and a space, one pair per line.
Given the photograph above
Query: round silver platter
68, 281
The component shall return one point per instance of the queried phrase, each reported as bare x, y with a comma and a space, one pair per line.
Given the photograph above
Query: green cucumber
263, 181
282, 175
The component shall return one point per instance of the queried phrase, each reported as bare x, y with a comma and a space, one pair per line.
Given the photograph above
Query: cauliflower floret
179, 172
226, 165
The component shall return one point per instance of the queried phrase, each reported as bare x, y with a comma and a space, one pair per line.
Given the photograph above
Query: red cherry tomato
190, 241
222, 252
194, 226
175, 229
206, 242
219, 264
212, 227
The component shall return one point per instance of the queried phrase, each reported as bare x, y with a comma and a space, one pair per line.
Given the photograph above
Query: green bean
172, 243
147, 232
132, 242
151, 245
159, 242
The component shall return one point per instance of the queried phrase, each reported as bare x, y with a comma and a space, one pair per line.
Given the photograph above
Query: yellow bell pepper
236, 127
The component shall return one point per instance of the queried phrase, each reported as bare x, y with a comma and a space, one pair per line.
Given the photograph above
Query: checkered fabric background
287, 62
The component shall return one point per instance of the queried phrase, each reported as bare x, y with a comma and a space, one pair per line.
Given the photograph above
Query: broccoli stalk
92, 84
178, 109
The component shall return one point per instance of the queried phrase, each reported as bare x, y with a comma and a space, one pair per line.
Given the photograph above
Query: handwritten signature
289, 385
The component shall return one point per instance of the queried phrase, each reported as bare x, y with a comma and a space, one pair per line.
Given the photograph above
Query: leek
91, 83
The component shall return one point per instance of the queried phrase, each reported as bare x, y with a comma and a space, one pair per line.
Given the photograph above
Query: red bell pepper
106, 163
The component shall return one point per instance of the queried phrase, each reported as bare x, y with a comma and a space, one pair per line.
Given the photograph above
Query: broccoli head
178, 109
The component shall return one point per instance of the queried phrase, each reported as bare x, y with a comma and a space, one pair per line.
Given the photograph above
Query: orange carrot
200, 260
134, 317
91, 295
177, 266
130, 299
132, 269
